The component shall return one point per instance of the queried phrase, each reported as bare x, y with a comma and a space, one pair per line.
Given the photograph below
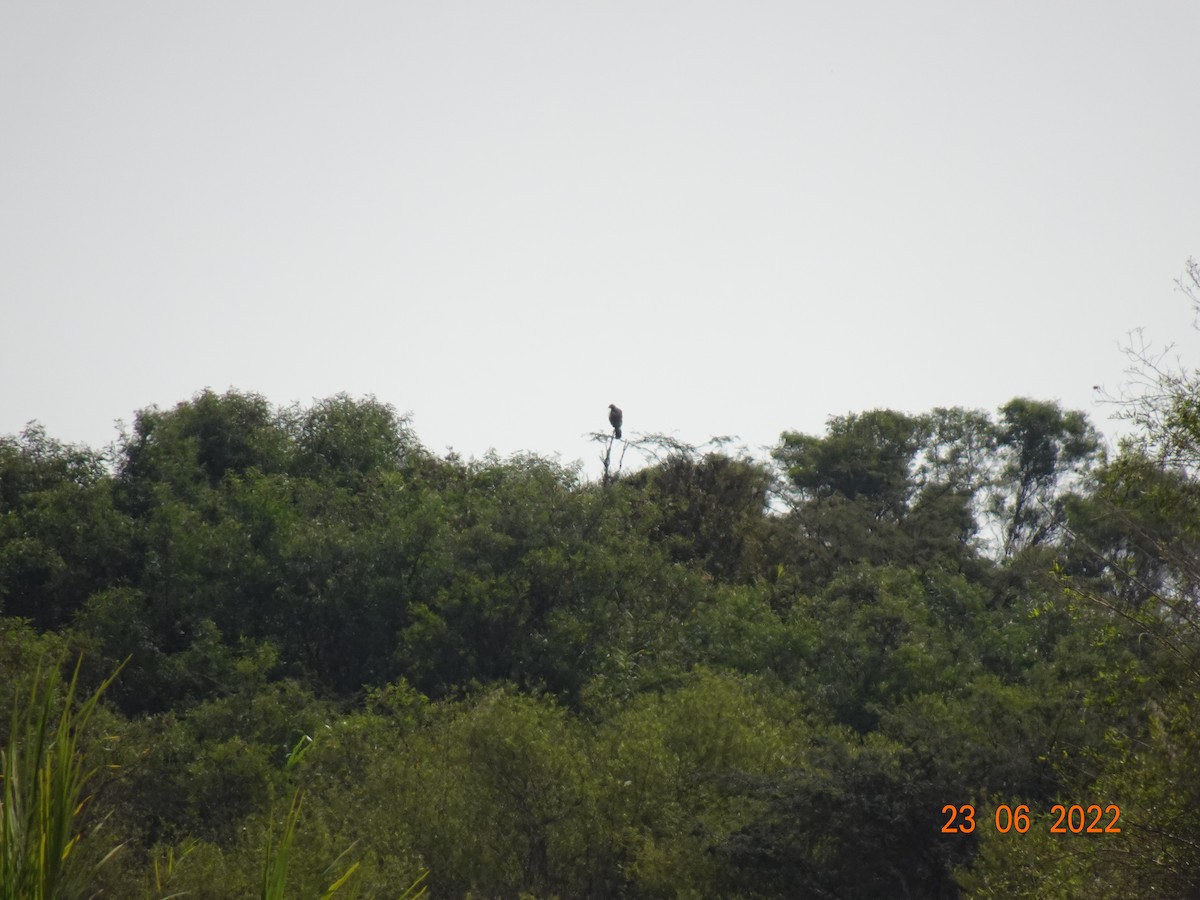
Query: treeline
717, 676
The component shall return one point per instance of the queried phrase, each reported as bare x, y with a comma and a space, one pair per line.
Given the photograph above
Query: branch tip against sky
503, 217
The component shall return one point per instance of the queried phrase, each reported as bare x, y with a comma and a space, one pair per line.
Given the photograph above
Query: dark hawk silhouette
615, 416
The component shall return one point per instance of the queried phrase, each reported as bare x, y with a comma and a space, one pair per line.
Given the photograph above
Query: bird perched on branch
615, 417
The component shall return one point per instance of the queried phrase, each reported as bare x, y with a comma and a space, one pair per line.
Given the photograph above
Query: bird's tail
617, 433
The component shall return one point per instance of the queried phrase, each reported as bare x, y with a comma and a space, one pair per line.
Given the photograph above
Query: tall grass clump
277, 856
43, 802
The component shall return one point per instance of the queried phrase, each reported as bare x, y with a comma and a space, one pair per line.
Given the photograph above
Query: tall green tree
1043, 452
710, 511
61, 538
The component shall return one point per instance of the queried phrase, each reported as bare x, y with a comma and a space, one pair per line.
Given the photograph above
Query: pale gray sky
727, 218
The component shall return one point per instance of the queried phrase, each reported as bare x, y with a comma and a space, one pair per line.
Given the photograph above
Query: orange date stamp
1074, 819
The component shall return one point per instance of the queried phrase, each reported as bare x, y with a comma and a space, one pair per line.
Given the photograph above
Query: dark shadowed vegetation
352, 665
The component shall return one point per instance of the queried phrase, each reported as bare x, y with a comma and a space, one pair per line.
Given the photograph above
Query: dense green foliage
713, 677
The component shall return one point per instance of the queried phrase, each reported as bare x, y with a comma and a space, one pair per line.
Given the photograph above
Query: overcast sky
727, 218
